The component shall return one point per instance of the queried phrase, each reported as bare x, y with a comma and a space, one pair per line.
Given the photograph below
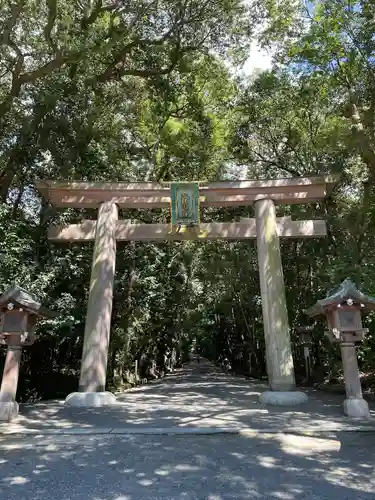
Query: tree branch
29, 77
51, 18
114, 71
361, 140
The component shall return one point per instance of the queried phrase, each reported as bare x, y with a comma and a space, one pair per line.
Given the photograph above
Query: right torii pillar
279, 359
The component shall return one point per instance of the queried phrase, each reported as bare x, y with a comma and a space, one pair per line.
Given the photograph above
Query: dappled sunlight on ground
195, 396
273, 466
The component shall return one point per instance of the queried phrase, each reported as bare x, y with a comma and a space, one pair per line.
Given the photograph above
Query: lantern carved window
348, 318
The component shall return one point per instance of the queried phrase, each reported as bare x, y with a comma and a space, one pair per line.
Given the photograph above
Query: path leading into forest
109, 457
195, 399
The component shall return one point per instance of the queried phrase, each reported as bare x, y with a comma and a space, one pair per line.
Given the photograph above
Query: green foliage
91, 91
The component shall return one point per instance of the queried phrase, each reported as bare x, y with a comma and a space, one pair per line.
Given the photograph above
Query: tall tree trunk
6, 179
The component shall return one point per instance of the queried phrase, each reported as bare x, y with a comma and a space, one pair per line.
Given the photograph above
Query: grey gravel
197, 396
333, 465
184, 467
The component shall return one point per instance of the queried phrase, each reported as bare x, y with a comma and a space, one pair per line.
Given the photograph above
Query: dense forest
138, 90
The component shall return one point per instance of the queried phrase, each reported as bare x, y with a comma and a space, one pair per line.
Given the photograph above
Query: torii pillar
99, 311
279, 359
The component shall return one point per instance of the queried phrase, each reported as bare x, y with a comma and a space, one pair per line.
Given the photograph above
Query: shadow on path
165, 467
196, 396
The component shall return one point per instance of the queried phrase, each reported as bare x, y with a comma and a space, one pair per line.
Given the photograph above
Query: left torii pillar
99, 311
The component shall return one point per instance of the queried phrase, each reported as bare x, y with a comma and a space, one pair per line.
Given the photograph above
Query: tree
142, 91
56, 53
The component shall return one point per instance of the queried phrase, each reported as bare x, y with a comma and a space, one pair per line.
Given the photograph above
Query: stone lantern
305, 333
19, 311
343, 309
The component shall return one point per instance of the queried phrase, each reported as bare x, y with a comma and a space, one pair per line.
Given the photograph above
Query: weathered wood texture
99, 309
155, 195
351, 371
11, 372
246, 229
279, 357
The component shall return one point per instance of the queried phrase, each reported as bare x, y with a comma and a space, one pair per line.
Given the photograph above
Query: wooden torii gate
265, 227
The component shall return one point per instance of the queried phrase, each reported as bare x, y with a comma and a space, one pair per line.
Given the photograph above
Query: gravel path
197, 396
194, 467
256, 465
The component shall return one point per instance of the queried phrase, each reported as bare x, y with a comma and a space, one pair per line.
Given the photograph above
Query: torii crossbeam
243, 230
265, 227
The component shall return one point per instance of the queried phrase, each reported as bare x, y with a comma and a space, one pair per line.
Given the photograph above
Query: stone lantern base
90, 399
283, 398
8, 411
356, 408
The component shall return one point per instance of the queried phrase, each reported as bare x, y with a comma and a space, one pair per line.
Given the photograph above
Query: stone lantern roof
346, 291
21, 298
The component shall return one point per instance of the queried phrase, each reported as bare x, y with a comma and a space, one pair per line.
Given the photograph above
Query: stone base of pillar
8, 411
283, 398
90, 399
356, 408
